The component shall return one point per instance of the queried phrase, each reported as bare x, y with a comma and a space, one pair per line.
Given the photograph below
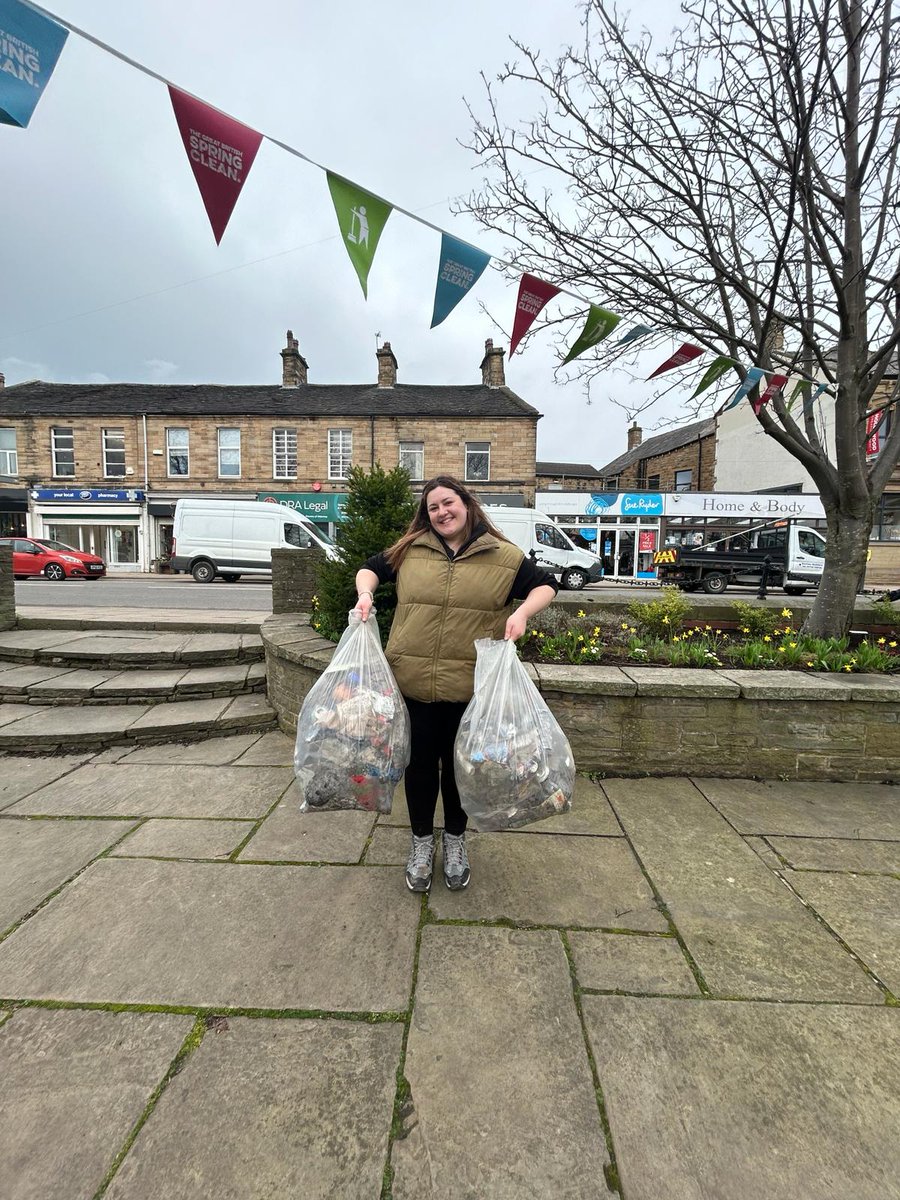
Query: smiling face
448, 515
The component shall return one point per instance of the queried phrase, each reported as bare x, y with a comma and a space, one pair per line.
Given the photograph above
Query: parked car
52, 559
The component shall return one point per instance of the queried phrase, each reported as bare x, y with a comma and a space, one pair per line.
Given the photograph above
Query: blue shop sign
625, 504
82, 495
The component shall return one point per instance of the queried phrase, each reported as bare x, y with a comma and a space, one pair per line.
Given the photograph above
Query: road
146, 591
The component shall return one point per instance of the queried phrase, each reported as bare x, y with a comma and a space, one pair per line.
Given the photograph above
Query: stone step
37, 683
91, 727
122, 649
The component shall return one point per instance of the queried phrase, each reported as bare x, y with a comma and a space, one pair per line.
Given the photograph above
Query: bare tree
737, 186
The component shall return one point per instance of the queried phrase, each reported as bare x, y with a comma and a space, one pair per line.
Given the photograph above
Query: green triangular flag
361, 217
716, 368
599, 325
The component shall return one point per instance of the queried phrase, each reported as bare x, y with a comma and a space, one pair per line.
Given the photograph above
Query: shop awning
161, 508
13, 499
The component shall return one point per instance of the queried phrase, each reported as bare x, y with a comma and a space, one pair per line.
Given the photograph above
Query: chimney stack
294, 366
387, 366
2, 380
492, 373
635, 436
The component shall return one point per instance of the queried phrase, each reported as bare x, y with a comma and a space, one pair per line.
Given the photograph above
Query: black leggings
433, 728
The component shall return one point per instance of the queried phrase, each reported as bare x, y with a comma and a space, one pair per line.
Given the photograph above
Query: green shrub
663, 617
754, 621
379, 509
886, 612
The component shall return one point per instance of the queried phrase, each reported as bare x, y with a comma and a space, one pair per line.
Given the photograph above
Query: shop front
325, 510
108, 522
13, 512
623, 528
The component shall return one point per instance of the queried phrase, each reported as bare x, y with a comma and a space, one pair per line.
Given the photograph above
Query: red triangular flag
682, 355
221, 152
533, 295
776, 383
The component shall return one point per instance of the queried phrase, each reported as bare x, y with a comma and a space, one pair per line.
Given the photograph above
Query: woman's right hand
364, 604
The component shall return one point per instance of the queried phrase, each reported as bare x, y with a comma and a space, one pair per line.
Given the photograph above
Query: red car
54, 560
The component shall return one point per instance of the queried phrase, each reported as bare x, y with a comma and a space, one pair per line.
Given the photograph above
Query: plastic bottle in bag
353, 730
514, 764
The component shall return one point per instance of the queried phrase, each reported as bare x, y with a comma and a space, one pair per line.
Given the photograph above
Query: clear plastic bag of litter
514, 764
353, 730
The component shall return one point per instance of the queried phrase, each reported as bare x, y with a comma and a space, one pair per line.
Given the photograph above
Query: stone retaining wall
294, 574
666, 721
7, 590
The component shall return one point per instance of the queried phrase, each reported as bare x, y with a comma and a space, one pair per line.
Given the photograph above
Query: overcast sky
110, 269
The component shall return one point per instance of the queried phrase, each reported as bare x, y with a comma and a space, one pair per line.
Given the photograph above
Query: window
114, 453
478, 461
683, 481
229, 453
642, 473
811, 543
340, 451
611, 483
284, 453
653, 483
178, 453
412, 458
9, 460
62, 445
548, 535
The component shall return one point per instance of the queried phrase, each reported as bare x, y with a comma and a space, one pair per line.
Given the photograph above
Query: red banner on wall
221, 152
533, 295
873, 435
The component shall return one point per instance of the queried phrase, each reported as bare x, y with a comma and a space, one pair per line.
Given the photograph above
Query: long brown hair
421, 522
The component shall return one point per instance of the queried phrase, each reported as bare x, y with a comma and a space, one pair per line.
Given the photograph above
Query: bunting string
221, 151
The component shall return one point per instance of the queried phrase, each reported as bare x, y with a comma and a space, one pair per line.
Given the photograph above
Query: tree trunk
848, 543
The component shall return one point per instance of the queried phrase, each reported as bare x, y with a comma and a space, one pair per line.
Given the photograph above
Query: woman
456, 577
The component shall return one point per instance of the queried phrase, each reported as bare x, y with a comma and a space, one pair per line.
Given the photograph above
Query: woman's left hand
515, 626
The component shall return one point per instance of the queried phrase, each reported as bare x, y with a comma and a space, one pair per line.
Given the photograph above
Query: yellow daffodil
893, 645
786, 612
881, 641
581, 612
767, 638
624, 624
781, 650
665, 620
793, 645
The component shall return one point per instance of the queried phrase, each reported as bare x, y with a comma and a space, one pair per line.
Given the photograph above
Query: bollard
762, 593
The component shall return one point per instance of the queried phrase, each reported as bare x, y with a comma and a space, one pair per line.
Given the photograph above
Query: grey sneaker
456, 861
419, 864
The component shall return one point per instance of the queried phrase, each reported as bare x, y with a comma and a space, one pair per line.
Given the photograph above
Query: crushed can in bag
514, 764
353, 730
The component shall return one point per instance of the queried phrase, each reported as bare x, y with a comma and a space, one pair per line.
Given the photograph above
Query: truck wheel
715, 583
203, 571
574, 579
795, 591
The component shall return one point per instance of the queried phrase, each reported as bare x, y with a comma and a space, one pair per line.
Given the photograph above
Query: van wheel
231, 578
715, 583
574, 579
203, 571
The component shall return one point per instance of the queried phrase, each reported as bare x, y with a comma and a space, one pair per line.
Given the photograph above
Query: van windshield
302, 533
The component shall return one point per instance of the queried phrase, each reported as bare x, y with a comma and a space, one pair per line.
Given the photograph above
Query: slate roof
672, 439
38, 398
572, 470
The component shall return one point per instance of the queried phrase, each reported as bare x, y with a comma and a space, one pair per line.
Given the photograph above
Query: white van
232, 538
537, 535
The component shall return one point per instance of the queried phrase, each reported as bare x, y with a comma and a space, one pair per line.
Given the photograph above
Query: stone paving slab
860, 810
761, 847
74, 1084
627, 963
288, 835
21, 776
270, 750
671, 681
174, 838
18, 680
271, 1109
748, 934
213, 752
788, 685
551, 880
725, 1101
184, 715
399, 814
590, 814
142, 683
609, 681
14, 712
145, 931
69, 726
26, 643
840, 854
865, 911
125, 646
253, 708
389, 846
198, 646
71, 683
37, 856
120, 790
201, 679
503, 1103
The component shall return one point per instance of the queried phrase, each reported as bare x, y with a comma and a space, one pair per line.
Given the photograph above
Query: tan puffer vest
443, 605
